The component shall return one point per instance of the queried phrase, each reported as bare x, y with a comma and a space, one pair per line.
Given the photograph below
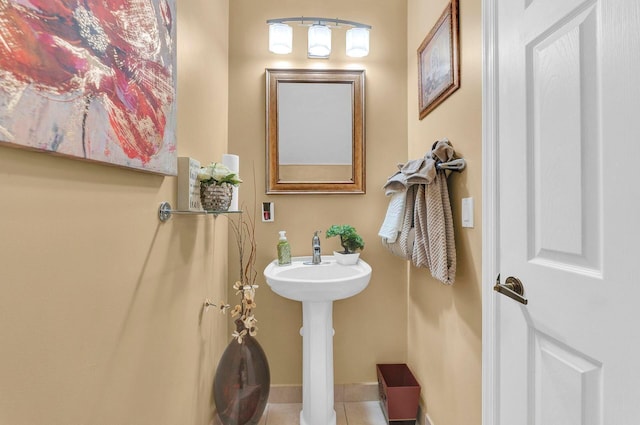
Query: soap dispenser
284, 250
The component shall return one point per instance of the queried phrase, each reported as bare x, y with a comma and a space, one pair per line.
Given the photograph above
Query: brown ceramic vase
241, 384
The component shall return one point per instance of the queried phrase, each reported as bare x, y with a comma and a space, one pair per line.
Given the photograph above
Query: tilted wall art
439, 61
91, 79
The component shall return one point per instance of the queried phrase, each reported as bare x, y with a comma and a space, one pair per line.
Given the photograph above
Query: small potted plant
216, 186
350, 240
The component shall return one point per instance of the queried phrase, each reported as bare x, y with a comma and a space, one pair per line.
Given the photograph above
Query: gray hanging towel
434, 246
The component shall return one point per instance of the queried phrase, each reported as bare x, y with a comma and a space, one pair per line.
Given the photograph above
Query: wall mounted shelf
165, 212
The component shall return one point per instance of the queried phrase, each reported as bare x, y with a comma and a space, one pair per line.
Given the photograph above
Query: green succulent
350, 240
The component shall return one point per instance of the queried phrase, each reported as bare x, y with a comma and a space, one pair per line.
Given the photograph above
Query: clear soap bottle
284, 250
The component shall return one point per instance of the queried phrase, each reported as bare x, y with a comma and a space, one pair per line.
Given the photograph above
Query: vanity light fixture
357, 42
280, 38
319, 36
319, 41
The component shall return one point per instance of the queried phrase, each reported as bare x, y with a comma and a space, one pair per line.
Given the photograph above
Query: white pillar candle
233, 163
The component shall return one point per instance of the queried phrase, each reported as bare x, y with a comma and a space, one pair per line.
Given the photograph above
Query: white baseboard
427, 420
423, 416
342, 393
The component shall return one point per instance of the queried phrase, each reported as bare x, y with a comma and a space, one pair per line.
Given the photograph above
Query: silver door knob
512, 288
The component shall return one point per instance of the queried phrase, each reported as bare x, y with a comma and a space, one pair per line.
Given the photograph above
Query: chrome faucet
315, 243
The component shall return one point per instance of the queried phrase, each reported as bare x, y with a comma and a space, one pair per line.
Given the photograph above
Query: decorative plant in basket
216, 186
350, 240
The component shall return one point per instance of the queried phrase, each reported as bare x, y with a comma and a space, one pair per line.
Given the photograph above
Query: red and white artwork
93, 79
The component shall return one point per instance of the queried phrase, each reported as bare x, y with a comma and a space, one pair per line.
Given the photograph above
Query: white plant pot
346, 259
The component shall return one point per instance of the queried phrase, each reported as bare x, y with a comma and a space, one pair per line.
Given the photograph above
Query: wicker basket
216, 197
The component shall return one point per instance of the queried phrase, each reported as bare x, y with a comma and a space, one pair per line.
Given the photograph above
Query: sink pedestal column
317, 286
317, 364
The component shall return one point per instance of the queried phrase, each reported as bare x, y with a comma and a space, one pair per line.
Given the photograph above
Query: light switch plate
467, 212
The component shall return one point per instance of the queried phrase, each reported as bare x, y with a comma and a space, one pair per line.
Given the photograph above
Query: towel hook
453, 165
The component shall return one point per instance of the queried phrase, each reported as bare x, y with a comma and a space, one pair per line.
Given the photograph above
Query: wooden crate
399, 393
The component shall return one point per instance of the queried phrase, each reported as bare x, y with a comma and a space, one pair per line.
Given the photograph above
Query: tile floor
347, 413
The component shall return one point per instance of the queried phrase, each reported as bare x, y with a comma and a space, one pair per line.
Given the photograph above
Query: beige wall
100, 303
370, 327
445, 322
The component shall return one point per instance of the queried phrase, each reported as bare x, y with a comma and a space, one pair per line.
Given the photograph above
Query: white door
568, 131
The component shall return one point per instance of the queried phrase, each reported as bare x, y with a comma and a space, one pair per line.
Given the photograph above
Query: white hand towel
393, 220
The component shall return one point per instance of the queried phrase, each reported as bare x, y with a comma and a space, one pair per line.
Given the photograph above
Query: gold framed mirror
315, 131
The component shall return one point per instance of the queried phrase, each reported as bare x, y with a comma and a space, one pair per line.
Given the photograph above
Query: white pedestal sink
317, 286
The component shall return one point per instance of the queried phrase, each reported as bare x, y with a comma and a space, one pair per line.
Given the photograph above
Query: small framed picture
438, 61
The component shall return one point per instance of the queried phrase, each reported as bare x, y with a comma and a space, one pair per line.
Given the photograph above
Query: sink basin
328, 281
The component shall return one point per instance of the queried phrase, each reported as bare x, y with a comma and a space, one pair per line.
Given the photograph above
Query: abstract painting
91, 79
438, 61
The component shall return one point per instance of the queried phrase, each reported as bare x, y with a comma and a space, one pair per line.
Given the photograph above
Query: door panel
563, 143
567, 384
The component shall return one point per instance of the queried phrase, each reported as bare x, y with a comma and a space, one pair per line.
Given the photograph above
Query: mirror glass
315, 131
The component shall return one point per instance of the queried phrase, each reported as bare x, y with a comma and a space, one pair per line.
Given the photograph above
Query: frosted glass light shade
280, 38
358, 42
319, 41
